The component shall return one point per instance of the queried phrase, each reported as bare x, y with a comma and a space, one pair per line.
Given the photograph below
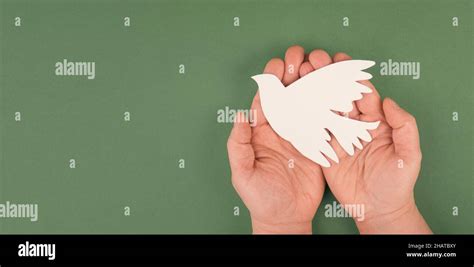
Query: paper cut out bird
302, 112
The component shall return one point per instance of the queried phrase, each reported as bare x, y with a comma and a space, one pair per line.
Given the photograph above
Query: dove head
268, 85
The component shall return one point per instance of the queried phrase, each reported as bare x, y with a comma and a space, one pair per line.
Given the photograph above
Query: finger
239, 148
404, 131
338, 57
256, 109
305, 69
294, 56
275, 66
370, 105
319, 58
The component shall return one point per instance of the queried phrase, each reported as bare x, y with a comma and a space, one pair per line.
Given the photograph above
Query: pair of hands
283, 189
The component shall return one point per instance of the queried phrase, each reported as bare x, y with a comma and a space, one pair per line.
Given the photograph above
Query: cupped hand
281, 188
382, 175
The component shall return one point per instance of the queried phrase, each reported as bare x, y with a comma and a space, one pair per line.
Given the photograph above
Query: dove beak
264, 79
257, 78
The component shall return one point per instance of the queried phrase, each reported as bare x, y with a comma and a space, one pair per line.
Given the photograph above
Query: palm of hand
285, 186
277, 184
376, 177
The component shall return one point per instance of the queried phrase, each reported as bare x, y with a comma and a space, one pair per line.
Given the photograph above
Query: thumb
239, 147
404, 131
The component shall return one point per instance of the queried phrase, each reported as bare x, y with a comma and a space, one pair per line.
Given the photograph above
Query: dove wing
335, 86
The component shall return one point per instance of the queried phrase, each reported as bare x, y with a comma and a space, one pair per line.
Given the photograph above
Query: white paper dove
301, 112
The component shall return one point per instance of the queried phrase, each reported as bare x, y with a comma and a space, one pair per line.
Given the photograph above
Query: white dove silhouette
301, 112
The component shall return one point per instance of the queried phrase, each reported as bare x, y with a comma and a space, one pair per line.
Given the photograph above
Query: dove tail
348, 131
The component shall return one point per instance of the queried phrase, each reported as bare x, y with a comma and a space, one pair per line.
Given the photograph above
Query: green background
174, 116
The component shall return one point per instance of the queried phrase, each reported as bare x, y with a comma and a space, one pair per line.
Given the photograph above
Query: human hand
382, 176
281, 199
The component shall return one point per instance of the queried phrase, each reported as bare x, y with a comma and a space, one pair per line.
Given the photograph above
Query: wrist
405, 220
259, 227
